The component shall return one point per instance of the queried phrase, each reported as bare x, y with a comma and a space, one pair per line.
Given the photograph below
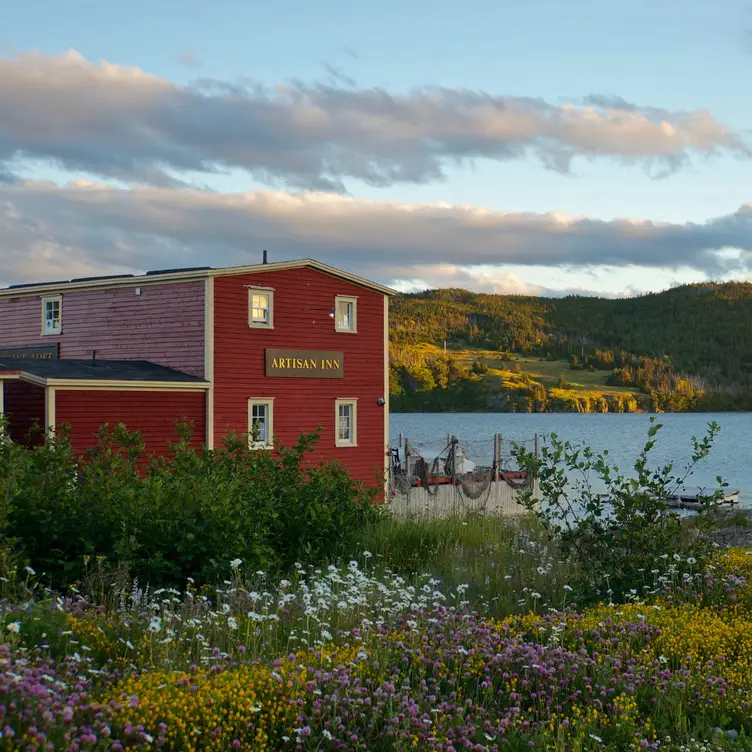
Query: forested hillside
688, 348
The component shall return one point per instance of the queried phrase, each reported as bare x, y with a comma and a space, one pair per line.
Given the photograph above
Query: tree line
688, 348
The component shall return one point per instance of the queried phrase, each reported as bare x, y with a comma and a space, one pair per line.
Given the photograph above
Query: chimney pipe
265, 259
93, 357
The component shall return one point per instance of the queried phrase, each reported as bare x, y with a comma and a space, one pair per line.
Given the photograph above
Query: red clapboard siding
302, 301
154, 414
165, 324
24, 407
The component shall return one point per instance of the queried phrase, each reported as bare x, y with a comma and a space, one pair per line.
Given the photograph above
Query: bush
618, 534
186, 515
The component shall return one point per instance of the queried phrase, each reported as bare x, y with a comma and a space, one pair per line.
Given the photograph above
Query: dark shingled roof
101, 370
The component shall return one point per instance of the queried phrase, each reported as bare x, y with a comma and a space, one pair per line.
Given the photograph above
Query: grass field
545, 372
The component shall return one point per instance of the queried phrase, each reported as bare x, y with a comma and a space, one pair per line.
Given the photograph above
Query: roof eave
23, 376
155, 279
190, 386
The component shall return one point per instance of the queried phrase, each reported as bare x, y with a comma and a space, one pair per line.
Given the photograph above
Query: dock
691, 498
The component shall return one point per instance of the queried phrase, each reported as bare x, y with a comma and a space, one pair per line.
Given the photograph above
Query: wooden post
497, 457
537, 447
456, 496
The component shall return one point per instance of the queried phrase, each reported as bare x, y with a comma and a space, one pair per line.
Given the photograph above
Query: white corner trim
209, 358
386, 400
49, 411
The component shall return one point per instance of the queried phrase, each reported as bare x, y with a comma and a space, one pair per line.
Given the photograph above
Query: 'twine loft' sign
305, 364
32, 352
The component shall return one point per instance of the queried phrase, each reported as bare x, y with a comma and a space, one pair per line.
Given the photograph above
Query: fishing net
468, 466
509, 472
473, 468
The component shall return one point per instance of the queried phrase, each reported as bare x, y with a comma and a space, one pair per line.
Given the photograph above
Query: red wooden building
271, 350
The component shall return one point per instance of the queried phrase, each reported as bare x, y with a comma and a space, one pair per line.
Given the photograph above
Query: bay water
623, 435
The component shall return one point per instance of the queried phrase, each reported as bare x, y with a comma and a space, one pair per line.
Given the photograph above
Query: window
260, 308
346, 313
260, 423
52, 315
347, 422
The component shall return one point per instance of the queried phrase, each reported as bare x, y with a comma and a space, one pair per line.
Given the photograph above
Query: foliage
388, 667
499, 561
612, 523
684, 348
177, 516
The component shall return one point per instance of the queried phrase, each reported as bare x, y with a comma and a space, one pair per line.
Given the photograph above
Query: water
623, 435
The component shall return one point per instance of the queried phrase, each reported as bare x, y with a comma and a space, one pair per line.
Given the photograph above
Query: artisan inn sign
305, 364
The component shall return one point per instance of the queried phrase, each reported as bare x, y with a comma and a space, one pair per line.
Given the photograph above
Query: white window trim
46, 299
346, 299
269, 402
346, 401
258, 324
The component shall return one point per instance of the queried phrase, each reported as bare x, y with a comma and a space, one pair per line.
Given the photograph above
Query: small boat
691, 498
462, 464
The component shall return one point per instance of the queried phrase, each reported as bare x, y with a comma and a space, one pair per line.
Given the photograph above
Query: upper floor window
260, 423
52, 315
261, 308
346, 314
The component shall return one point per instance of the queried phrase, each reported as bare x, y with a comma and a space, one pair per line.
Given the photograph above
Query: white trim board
190, 276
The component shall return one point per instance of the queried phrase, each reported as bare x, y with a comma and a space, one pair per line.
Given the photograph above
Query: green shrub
619, 529
185, 515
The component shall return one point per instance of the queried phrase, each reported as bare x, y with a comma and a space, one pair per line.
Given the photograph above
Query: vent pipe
93, 357
265, 261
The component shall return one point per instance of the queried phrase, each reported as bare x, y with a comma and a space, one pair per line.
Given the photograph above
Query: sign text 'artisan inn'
311, 364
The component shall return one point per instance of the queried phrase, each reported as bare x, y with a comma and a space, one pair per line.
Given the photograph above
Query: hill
688, 348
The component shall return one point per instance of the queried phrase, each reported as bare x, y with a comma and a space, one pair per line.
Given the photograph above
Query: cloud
122, 123
46, 229
495, 280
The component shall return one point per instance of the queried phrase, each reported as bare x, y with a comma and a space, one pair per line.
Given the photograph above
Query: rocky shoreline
734, 528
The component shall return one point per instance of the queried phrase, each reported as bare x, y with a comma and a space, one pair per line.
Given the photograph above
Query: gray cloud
48, 231
125, 124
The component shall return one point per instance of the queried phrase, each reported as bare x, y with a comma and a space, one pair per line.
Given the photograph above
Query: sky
545, 147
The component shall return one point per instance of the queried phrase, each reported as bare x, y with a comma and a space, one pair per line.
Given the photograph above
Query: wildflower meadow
467, 633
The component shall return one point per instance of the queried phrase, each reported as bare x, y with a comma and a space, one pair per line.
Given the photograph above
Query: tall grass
504, 562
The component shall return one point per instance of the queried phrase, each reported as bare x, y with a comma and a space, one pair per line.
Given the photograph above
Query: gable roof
162, 276
54, 371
